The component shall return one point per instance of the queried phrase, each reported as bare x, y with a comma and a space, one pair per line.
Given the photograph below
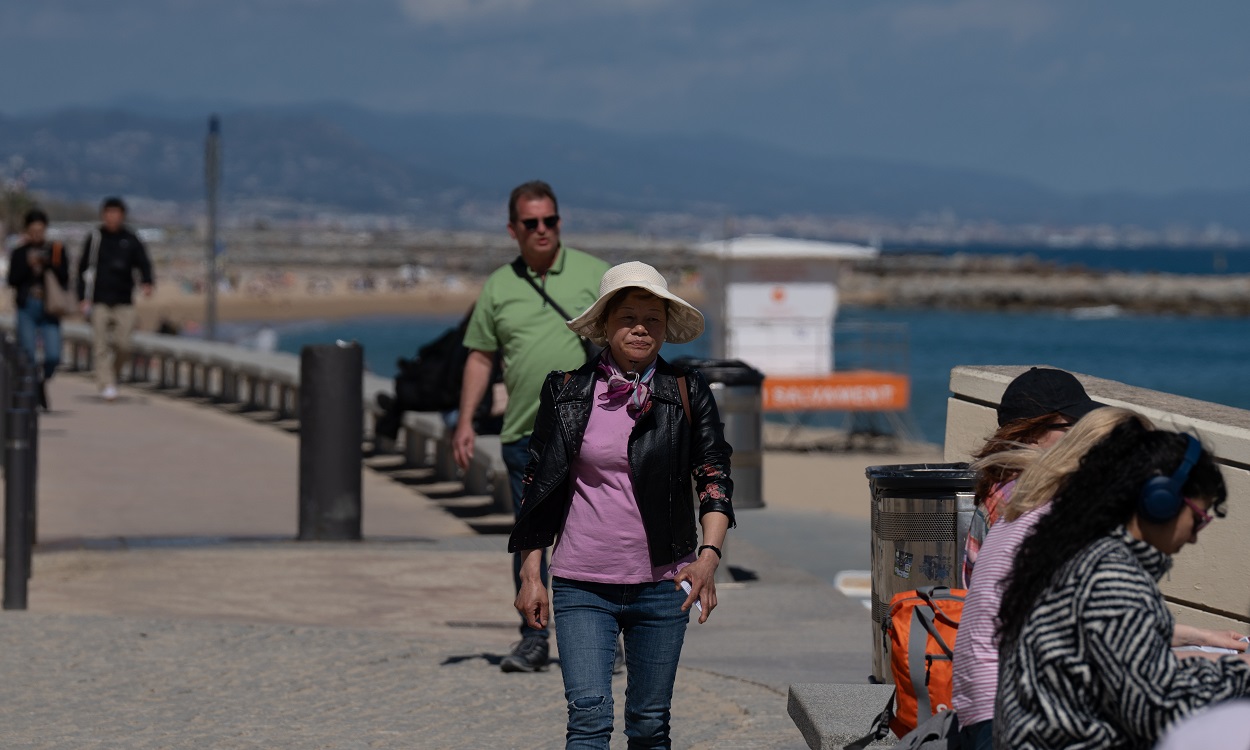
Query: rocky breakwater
1026, 284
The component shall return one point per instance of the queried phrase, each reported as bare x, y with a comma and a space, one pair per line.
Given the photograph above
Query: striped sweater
1094, 668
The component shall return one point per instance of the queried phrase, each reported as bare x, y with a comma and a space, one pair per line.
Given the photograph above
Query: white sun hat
685, 323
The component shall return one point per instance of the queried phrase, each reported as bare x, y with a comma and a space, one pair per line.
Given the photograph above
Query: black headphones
1161, 498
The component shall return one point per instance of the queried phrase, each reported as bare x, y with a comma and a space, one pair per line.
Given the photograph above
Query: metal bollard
331, 431
25, 400
18, 498
7, 363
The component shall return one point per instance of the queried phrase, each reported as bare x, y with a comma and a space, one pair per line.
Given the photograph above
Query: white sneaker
109, 393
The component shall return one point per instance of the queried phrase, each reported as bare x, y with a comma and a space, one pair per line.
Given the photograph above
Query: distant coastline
272, 294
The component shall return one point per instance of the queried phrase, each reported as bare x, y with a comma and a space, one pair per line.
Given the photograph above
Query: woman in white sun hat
614, 448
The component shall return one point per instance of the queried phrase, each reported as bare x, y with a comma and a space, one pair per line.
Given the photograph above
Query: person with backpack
111, 256
34, 266
521, 314
1085, 634
615, 446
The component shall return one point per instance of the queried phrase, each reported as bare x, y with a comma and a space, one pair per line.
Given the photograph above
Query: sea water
1202, 358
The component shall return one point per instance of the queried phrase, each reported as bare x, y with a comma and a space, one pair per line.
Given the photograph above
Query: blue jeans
33, 324
588, 617
516, 456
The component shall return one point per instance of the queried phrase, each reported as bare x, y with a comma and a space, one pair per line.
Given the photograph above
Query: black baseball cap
1041, 391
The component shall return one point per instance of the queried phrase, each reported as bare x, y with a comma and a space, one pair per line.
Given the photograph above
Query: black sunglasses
548, 221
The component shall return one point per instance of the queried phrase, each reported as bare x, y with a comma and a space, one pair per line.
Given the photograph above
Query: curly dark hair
1100, 495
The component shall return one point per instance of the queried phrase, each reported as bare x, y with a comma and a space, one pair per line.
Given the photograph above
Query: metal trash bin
920, 519
738, 389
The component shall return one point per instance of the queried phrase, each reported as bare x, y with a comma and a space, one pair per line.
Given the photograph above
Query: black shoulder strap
880, 727
519, 267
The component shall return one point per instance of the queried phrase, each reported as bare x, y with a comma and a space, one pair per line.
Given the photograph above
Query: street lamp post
212, 174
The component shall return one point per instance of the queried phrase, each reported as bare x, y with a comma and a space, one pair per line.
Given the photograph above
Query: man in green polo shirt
511, 316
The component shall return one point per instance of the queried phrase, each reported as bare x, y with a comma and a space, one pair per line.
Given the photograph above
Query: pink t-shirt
975, 679
603, 539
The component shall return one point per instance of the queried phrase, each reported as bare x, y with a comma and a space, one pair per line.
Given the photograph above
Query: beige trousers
111, 326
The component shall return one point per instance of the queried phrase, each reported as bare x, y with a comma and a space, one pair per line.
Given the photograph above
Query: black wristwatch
714, 549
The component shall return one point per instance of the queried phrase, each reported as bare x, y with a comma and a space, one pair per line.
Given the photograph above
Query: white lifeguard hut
776, 301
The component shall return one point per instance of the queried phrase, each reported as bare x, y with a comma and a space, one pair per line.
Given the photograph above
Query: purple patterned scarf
630, 390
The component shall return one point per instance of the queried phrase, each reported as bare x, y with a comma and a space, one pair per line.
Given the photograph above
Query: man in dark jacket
106, 285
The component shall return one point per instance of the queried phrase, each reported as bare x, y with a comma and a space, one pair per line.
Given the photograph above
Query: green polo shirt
512, 318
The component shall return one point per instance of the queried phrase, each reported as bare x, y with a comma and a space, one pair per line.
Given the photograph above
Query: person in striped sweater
1041, 475
1085, 635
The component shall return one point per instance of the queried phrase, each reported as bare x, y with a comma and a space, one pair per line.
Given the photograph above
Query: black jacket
665, 451
22, 277
120, 255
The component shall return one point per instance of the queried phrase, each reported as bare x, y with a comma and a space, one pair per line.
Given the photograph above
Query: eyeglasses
548, 221
1203, 518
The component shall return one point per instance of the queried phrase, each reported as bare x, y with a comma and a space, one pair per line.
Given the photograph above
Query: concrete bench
487, 474
831, 715
423, 434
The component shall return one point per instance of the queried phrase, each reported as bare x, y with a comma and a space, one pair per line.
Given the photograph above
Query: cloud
1019, 19
449, 12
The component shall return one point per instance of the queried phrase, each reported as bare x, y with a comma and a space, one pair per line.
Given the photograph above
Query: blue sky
1147, 95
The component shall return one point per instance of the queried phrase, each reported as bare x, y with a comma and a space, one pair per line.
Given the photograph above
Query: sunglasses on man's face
548, 221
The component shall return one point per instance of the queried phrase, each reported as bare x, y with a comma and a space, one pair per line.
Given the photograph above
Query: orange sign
855, 390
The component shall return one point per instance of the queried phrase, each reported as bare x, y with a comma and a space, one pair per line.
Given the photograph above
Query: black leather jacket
665, 451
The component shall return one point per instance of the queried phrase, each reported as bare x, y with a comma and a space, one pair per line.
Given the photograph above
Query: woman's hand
1187, 635
531, 600
702, 577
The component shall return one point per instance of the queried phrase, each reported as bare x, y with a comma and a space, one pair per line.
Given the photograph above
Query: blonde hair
1043, 472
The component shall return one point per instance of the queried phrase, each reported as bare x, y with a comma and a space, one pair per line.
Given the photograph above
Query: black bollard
8, 365
26, 399
18, 490
331, 429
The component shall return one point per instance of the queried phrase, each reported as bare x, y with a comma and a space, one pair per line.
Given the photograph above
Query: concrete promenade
170, 608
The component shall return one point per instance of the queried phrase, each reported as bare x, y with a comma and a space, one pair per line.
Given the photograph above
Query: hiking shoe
529, 655
618, 662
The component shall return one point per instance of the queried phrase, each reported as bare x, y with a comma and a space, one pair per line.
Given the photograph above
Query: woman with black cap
1037, 409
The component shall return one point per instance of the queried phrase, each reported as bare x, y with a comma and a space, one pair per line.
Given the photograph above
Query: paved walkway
169, 608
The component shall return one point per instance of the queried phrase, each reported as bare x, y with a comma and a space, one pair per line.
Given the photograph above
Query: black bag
431, 382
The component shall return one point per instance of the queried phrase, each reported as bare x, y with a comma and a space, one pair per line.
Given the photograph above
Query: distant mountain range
334, 157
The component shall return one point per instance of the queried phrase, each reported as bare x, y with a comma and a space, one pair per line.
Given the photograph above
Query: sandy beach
264, 295
292, 295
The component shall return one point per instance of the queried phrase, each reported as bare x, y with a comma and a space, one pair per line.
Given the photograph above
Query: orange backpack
921, 630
